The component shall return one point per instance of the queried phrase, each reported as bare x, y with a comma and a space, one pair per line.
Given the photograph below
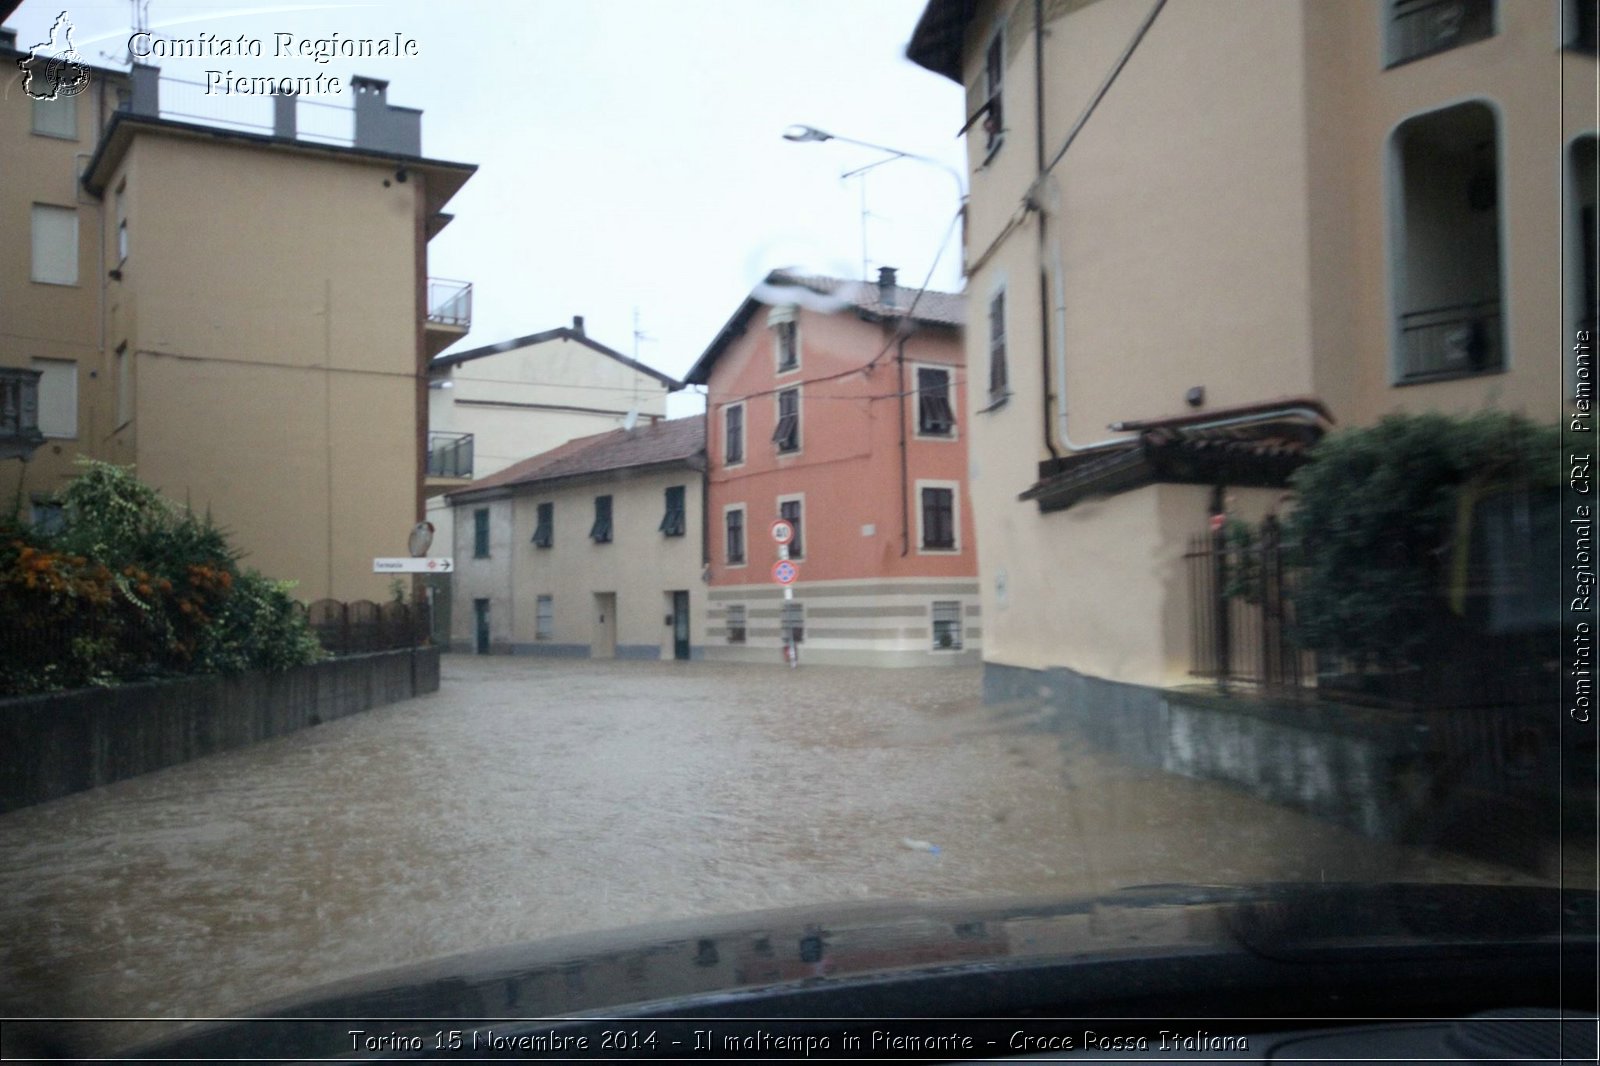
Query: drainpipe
905, 485
1039, 161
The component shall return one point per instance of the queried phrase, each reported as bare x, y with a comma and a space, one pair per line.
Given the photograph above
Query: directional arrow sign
784, 572
413, 566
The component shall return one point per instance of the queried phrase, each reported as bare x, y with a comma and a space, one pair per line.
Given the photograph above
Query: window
56, 118
733, 519
946, 625
1581, 18
544, 530
124, 385
787, 433
544, 618
58, 397
47, 516
480, 533
935, 417
1420, 28
600, 532
793, 621
994, 76
55, 245
674, 521
733, 434
786, 341
122, 223
1446, 257
736, 623
998, 380
791, 511
1583, 185
939, 518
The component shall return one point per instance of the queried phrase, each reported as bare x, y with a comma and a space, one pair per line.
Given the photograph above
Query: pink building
836, 405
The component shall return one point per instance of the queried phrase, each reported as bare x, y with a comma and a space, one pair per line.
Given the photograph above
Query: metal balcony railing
449, 454
19, 412
450, 302
1446, 341
1420, 28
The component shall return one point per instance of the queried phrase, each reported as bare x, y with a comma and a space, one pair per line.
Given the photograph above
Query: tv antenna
139, 22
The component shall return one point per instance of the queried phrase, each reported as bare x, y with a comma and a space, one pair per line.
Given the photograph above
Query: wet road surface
533, 798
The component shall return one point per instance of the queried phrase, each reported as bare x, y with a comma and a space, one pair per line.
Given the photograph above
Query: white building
594, 549
492, 406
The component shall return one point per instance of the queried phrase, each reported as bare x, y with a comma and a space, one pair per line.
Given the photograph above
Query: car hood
1112, 954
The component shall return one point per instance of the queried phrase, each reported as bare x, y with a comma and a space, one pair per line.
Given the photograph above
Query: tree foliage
1377, 515
131, 588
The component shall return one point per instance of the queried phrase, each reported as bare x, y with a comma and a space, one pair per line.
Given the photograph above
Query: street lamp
800, 134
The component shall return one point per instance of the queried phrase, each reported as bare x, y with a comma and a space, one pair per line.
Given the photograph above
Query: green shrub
132, 588
1378, 509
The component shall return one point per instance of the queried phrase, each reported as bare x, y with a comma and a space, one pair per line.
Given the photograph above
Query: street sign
413, 566
421, 539
782, 531
784, 572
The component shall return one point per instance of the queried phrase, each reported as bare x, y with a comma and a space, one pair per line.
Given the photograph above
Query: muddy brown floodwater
533, 798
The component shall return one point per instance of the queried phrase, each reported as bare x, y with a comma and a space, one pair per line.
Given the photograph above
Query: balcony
1451, 341
1419, 28
449, 461
19, 413
449, 314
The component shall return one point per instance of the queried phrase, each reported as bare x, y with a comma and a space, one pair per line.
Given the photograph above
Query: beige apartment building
243, 314
593, 549
1234, 224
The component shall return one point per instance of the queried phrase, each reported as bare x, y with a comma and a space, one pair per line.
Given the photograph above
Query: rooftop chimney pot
886, 285
577, 324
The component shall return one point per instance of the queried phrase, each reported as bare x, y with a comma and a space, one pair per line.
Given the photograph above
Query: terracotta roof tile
671, 440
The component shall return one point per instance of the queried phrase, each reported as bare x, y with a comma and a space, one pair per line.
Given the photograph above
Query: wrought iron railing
1457, 339
449, 302
199, 102
1420, 28
1242, 613
449, 454
363, 626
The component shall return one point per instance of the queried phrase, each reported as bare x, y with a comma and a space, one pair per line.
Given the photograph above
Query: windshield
849, 453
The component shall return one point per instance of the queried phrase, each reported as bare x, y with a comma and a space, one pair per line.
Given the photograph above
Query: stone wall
64, 742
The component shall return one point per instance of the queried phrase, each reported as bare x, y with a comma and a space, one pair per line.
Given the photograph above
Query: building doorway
603, 645
480, 626
680, 625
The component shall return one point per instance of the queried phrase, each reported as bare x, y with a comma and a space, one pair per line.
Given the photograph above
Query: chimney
283, 117
886, 286
382, 126
8, 38
146, 98
577, 324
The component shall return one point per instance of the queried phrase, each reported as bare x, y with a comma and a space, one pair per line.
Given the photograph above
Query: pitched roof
944, 310
1257, 444
936, 41
678, 440
569, 333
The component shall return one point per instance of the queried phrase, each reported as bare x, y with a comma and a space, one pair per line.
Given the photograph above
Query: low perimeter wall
1492, 775
64, 742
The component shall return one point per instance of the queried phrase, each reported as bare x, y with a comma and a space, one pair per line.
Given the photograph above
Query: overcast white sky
629, 151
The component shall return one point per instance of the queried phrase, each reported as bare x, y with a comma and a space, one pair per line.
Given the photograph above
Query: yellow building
243, 315
1231, 224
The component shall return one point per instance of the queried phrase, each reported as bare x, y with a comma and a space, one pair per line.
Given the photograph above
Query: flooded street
533, 798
